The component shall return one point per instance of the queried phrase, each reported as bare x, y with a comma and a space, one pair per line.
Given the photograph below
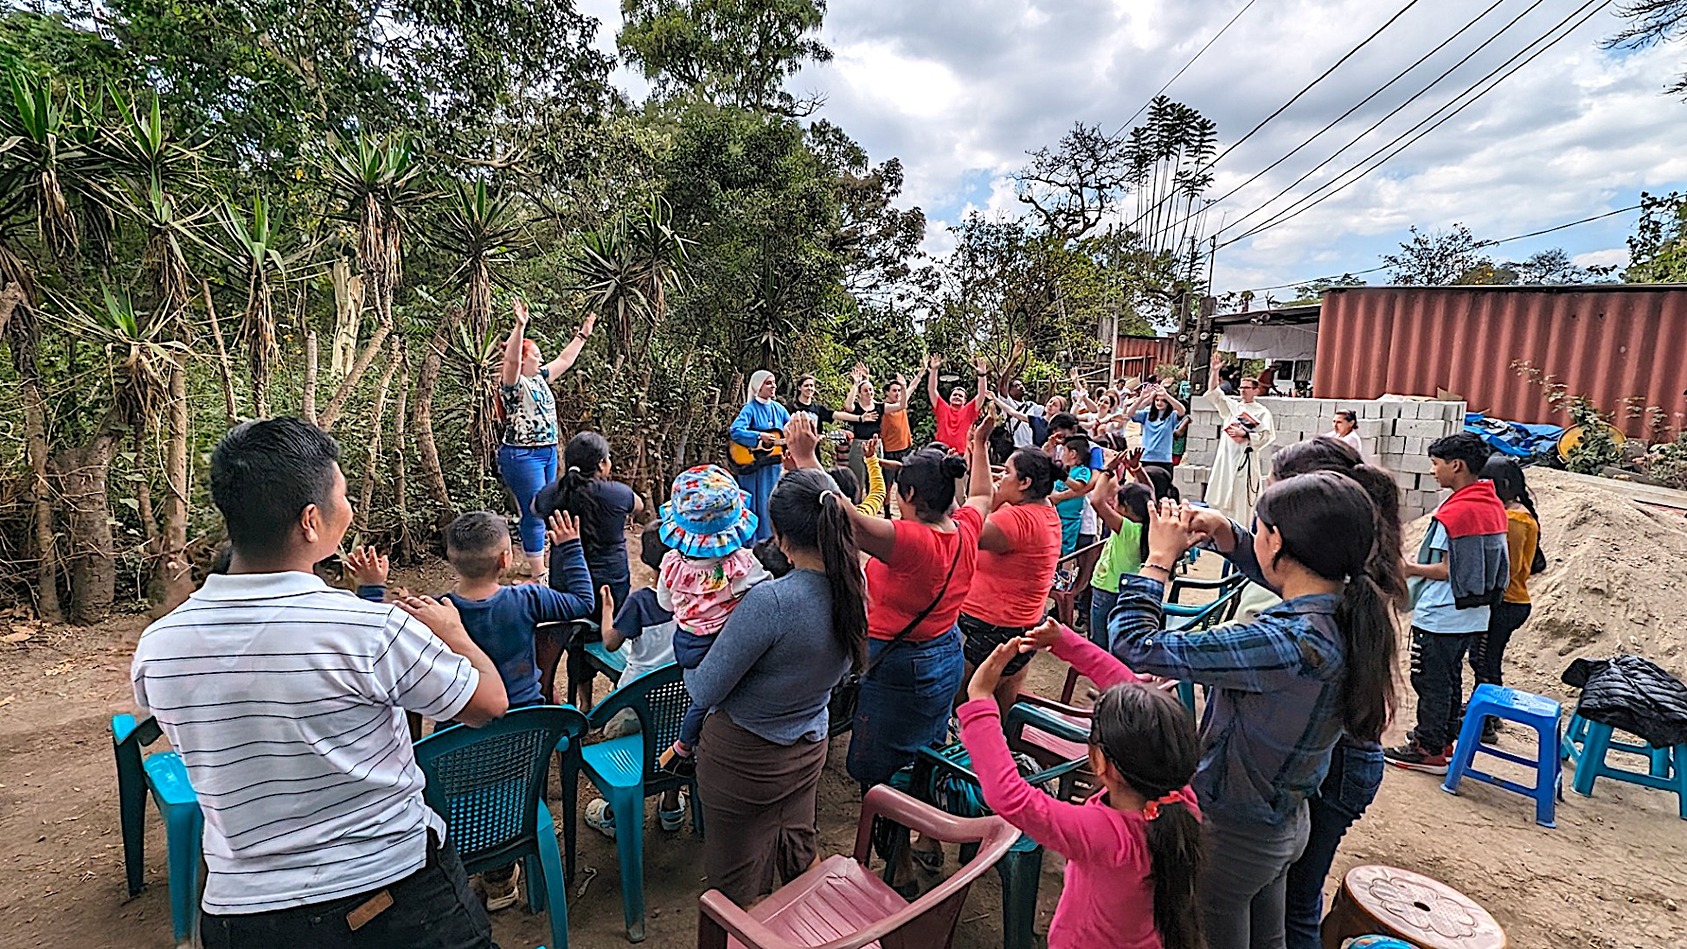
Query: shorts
981, 639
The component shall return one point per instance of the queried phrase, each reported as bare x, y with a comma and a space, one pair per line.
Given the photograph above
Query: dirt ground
1612, 875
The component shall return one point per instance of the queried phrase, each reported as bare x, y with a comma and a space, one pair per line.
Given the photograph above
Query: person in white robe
1239, 467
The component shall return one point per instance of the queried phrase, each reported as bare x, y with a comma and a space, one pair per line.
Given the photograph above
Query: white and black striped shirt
286, 700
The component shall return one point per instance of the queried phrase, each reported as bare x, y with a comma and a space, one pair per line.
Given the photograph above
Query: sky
961, 90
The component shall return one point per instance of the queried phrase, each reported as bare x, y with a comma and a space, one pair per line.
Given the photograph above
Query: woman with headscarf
759, 425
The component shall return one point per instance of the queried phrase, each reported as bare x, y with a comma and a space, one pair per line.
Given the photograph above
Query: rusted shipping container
1607, 343
1137, 356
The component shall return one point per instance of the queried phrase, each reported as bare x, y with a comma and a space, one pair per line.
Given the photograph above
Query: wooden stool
1408, 906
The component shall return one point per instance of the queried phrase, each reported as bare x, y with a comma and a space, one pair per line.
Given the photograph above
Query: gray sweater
773, 666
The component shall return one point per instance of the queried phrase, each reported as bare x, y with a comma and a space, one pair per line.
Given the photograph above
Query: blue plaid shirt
1274, 710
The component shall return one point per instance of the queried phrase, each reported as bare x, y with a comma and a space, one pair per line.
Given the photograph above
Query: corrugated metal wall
1130, 353
1605, 343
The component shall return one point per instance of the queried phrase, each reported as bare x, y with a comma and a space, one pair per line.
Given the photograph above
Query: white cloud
1609, 257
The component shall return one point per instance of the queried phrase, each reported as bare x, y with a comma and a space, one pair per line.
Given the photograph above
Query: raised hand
934, 362
367, 568
1169, 535
521, 315
982, 364
802, 441
989, 673
587, 327
562, 528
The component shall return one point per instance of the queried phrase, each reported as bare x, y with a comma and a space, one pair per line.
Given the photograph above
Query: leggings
526, 470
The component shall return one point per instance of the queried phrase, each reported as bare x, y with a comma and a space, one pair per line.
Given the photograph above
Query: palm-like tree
628, 270
254, 247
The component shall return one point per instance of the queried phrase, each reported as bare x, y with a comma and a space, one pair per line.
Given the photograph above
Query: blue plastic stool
164, 775
1587, 743
1524, 708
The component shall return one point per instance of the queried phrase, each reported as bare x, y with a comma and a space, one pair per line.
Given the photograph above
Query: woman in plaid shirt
1282, 689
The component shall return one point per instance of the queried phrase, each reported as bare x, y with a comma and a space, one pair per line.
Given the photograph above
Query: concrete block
1390, 409
1416, 464
1415, 445
1420, 428
1369, 410
1370, 429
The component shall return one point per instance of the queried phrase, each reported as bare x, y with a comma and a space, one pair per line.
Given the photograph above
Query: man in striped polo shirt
286, 700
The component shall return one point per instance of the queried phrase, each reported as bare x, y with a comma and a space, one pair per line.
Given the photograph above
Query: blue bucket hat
708, 516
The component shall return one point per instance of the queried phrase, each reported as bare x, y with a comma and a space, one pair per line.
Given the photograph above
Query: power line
1396, 111
1284, 107
1361, 104
1198, 53
1478, 244
1288, 214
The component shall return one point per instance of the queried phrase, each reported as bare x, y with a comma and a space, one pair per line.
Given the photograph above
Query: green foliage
1598, 446
1440, 258
729, 52
1658, 249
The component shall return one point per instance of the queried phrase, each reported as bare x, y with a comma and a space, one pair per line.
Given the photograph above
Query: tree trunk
173, 566
9, 300
331, 414
41, 504
400, 467
83, 474
231, 407
307, 407
348, 314
378, 420
433, 473
148, 516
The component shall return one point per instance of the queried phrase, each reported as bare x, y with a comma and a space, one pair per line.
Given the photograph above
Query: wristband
1154, 566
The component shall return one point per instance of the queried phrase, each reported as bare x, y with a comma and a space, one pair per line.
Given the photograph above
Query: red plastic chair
841, 904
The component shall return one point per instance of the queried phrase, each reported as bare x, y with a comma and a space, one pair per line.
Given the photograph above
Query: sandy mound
1614, 583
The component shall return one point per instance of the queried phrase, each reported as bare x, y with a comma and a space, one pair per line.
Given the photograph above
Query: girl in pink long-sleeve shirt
1132, 851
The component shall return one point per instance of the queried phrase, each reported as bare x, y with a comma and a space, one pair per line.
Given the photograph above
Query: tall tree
1440, 258
731, 52
1658, 249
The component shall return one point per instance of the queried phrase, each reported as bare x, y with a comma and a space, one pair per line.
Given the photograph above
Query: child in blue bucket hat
705, 575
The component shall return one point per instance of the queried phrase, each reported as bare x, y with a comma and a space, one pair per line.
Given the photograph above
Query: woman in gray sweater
767, 682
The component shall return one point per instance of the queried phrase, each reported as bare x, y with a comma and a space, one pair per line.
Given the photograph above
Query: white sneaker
505, 897
600, 818
675, 819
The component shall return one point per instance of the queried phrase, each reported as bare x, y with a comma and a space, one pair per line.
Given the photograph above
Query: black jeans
1487, 652
432, 908
1438, 679
1349, 787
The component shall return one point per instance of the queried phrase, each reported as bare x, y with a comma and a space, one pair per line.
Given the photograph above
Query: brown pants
759, 800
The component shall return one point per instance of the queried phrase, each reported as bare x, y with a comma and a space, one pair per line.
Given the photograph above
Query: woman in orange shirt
1017, 553
895, 435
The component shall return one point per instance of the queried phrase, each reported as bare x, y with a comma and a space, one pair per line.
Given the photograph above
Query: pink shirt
702, 593
1108, 899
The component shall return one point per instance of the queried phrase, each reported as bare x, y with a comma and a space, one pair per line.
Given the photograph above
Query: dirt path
1611, 876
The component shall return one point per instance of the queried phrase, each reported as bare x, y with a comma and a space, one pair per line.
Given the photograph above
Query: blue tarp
1516, 439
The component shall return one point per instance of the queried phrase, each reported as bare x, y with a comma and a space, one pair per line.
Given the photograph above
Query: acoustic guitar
742, 459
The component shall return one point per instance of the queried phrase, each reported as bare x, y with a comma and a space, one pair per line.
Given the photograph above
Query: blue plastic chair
164, 775
1587, 743
611, 664
1527, 709
625, 772
488, 783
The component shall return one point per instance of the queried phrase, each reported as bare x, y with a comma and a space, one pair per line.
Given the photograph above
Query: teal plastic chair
625, 772
165, 777
943, 777
1588, 743
611, 664
488, 783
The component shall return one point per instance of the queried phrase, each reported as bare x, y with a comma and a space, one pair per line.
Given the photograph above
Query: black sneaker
1413, 757
1490, 730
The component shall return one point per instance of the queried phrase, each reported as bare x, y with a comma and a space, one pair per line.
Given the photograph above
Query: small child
501, 619
645, 630
702, 579
1523, 538
1134, 850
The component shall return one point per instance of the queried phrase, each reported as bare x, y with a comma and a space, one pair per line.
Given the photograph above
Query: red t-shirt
919, 561
953, 424
1012, 588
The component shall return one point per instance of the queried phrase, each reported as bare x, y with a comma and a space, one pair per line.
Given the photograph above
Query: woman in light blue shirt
1158, 414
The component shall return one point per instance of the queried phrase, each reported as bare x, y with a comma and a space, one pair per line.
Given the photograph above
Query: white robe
1239, 470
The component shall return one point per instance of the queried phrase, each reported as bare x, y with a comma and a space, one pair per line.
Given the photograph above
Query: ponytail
1175, 857
1369, 693
809, 512
573, 492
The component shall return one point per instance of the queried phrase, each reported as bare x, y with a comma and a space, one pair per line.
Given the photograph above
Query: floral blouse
529, 411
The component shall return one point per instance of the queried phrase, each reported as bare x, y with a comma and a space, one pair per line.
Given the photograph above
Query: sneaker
675, 819
1490, 730
677, 764
502, 894
1413, 757
600, 818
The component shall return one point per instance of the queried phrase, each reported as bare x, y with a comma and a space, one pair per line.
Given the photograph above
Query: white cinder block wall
1397, 436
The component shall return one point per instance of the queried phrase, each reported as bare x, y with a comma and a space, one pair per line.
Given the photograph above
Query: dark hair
1154, 412
1161, 477
773, 560
264, 473
1511, 486
927, 482
847, 483
572, 492
1063, 420
1136, 498
1034, 465
651, 547
1462, 446
473, 542
1149, 739
1332, 454
223, 560
1079, 443
1347, 415
1328, 524
804, 517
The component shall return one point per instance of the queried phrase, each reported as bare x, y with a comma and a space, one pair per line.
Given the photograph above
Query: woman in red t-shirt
919, 570
1018, 550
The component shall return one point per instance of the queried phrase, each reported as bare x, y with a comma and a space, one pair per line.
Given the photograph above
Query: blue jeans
904, 704
689, 650
1349, 787
1101, 609
526, 470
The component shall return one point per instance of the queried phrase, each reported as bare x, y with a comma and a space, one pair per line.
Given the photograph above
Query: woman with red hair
527, 457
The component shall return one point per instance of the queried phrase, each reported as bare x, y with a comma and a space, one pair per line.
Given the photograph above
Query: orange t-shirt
893, 429
1012, 588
